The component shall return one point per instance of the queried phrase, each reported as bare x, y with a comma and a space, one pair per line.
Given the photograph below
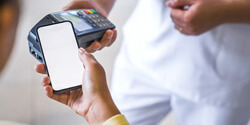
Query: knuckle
188, 19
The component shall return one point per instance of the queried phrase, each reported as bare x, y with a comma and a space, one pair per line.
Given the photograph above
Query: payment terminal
88, 24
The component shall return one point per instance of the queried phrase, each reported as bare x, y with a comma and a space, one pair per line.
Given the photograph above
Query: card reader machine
88, 24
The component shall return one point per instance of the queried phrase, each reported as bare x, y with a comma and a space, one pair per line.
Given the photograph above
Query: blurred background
22, 98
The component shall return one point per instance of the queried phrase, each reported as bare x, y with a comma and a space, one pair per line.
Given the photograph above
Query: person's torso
212, 66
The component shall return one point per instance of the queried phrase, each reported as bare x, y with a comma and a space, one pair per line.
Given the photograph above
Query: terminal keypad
95, 19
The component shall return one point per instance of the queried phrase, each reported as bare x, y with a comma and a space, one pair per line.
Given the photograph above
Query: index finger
178, 14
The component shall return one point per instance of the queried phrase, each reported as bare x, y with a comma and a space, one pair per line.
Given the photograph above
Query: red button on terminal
87, 12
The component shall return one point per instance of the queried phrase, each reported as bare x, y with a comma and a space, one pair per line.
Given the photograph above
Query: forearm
236, 11
106, 4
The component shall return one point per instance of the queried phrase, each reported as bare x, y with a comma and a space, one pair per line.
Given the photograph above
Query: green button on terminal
95, 12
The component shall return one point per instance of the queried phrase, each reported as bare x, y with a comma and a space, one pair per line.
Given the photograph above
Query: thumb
86, 58
179, 3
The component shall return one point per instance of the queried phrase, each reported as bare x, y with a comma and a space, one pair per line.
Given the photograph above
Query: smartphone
60, 51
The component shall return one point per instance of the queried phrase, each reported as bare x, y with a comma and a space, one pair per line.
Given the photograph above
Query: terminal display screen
77, 21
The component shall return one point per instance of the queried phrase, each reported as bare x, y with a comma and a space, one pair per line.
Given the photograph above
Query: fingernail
95, 48
172, 2
110, 36
168, 3
81, 51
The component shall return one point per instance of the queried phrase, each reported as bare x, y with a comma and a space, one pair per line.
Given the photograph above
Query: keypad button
105, 25
95, 12
92, 16
87, 12
98, 16
95, 15
95, 21
90, 12
80, 13
94, 25
103, 20
99, 25
90, 21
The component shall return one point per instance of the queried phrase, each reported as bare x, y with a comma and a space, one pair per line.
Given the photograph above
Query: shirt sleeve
117, 120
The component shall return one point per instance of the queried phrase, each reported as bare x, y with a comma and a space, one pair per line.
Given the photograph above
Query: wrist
100, 109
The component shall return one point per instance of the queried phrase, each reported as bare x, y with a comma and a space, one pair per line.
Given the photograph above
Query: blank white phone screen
61, 55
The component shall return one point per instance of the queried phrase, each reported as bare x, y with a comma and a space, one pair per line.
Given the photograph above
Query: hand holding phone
94, 91
60, 50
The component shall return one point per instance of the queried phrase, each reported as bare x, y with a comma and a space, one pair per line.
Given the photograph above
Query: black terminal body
88, 24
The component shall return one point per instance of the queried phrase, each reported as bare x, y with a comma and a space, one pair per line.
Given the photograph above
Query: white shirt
213, 67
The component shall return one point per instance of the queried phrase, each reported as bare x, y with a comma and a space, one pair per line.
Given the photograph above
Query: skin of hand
110, 35
201, 16
93, 101
9, 15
